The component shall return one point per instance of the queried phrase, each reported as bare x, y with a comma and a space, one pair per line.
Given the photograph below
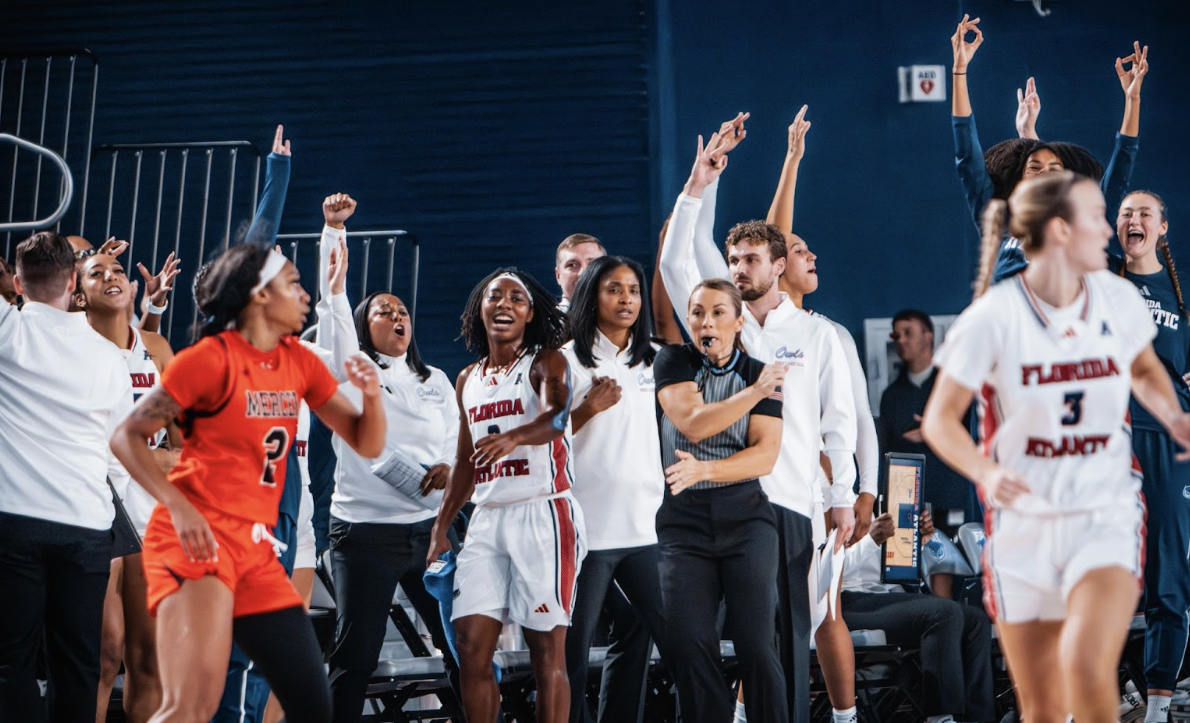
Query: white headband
518, 281
273, 264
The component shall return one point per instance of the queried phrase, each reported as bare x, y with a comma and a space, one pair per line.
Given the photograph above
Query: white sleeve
336, 327
120, 407
10, 319
707, 258
970, 351
450, 415
679, 270
867, 448
838, 418
580, 382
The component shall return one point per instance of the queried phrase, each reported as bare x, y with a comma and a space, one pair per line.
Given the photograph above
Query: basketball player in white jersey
525, 543
129, 633
1052, 353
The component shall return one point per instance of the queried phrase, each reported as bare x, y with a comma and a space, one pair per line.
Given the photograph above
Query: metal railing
61, 119
174, 197
67, 187
376, 272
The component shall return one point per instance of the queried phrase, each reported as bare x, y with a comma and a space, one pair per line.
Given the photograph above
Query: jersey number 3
276, 444
1074, 408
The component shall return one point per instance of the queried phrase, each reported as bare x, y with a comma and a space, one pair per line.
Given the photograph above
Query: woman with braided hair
1142, 227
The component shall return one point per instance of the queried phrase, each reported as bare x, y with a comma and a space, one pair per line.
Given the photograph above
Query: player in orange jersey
212, 574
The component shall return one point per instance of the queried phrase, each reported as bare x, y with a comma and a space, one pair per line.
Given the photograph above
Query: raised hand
1132, 78
797, 134
157, 287
337, 208
280, 145
963, 50
1028, 107
684, 473
731, 134
708, 165
362, 374
336, 274
112, 247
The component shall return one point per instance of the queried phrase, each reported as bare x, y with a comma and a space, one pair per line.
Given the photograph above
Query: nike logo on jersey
1068, 446
1069, 371
542, 608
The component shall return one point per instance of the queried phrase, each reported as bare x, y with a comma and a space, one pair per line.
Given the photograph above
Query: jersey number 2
276, 444
1074, 408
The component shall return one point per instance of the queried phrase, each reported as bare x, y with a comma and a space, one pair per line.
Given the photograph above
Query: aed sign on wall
922, 83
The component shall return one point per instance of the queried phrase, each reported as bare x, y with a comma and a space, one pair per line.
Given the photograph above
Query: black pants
605, 573
721, 544
283, 646
53, 578
369, 560
1167, 556
955, 642
795, 536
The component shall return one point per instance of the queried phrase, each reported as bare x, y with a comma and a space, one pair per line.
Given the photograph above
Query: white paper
830, 572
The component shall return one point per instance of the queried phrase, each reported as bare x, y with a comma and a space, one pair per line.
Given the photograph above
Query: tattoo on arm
158, 407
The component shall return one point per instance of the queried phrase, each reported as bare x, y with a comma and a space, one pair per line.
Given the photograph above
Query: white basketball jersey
1053, 387
500, 400
145, 377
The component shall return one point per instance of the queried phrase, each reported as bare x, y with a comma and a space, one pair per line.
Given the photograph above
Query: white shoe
1132, 709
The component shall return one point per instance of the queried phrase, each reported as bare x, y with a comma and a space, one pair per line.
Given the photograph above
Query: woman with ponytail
383, 509
1053, 353
212, 574
1142, 226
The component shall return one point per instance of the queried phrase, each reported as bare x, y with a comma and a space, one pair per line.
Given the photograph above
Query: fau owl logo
784, 353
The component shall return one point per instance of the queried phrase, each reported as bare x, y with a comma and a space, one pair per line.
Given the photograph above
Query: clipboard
900, 555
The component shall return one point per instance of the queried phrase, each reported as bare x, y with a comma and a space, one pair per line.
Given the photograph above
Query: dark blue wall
492, 132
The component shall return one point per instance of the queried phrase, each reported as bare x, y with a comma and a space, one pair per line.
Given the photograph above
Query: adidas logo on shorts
542, 609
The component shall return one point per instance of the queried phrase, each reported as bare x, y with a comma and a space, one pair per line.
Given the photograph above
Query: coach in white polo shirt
65, 388
819, 407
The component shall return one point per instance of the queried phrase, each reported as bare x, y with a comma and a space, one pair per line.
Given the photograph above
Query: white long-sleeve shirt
867, 442
65, 388
422, 417
819, 405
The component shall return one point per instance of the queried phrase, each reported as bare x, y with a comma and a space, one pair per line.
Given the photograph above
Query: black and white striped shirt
676, 364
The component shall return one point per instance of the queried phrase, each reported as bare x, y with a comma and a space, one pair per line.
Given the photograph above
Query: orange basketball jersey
240, 413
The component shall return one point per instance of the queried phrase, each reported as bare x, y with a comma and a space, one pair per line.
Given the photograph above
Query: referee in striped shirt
719, 413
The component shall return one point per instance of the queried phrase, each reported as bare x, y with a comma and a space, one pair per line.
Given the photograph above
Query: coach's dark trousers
721, 544
53, 578
605, 573
368, 561
795, 536
955, 642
